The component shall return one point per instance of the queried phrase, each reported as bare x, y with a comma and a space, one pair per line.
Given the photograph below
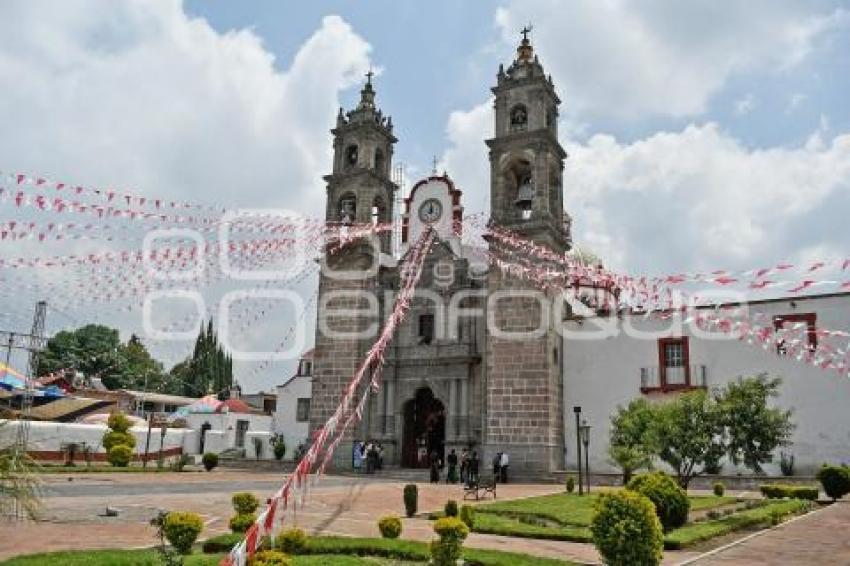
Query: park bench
478, 489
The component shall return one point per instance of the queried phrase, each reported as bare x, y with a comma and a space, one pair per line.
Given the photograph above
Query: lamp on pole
584, 433
577, 411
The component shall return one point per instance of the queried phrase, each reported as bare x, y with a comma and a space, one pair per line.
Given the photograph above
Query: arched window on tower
351, 156
379, 161
347, 208
521, 179
519, 118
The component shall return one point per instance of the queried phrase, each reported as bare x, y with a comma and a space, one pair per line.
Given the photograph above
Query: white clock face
430, 211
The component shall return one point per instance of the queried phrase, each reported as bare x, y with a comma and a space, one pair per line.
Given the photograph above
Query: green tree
94, 350
209, 370
690, 434
632, 444
753, 428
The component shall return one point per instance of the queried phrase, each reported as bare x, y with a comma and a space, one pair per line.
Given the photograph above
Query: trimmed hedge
210, 461
241, 522
244, 503
411, 499
182, 529
270, 558
120, 455
467, 515
451, 509
221, 543
783, 491
626, 530
390, 527
291, 541
835, 481
671, 502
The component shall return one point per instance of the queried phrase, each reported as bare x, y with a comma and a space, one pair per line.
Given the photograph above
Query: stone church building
458, 373
449, 381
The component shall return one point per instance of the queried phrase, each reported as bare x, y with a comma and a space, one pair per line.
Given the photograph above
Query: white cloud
138, 94
661, 57
705, 199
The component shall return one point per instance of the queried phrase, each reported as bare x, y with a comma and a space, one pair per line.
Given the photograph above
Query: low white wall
52, 436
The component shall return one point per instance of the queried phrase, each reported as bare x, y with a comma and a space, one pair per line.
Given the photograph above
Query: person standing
497, 463
503, 466
464, 466
357, 455
474, 464
451, 476
435, 467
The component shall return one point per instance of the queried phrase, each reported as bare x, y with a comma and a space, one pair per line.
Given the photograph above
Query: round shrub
244, 502
118, 422
571, 484
719, 488
447, 550
467, 515
451, 509
835, 481
241, 522
270, 558
120, 455
411, 498
671, 502
210, 461
626, 530
390, 527
292, 541
114, 438
182, 530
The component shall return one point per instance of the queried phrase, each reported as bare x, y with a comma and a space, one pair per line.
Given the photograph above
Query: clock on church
430, 211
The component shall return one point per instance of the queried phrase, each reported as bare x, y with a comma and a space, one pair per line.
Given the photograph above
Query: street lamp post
162, 432
585, 439
577, 411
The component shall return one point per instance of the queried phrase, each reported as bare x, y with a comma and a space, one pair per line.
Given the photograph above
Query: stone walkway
817, 539
350, 506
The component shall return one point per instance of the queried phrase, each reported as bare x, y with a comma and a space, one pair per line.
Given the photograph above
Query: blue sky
702, 135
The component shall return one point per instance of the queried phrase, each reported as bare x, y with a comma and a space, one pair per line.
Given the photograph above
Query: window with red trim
673, 368
790, 321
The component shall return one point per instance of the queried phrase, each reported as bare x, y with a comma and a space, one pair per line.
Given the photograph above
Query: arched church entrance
424, 429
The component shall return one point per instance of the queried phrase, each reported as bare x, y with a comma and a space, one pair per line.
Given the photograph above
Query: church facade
456, 374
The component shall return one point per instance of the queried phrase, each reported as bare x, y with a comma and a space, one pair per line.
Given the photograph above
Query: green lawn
572, 509
333, 551
567, 517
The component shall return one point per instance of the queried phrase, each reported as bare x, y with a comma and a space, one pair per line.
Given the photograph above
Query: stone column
451, 433
389, 427
464, 409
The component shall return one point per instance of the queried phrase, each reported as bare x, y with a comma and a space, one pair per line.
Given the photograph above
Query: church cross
525, 31
434, 165
369, 76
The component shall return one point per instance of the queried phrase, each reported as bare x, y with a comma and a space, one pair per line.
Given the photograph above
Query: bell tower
359, 192
524, 383
526, 160
359, 189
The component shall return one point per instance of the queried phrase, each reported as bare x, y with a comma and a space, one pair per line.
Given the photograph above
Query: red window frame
662, 362
809, 318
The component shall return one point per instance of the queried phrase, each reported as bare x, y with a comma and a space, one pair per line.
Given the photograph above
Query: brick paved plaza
350, 506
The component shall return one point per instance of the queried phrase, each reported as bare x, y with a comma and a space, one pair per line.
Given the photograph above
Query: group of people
466, 467
368, 455
463, 468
